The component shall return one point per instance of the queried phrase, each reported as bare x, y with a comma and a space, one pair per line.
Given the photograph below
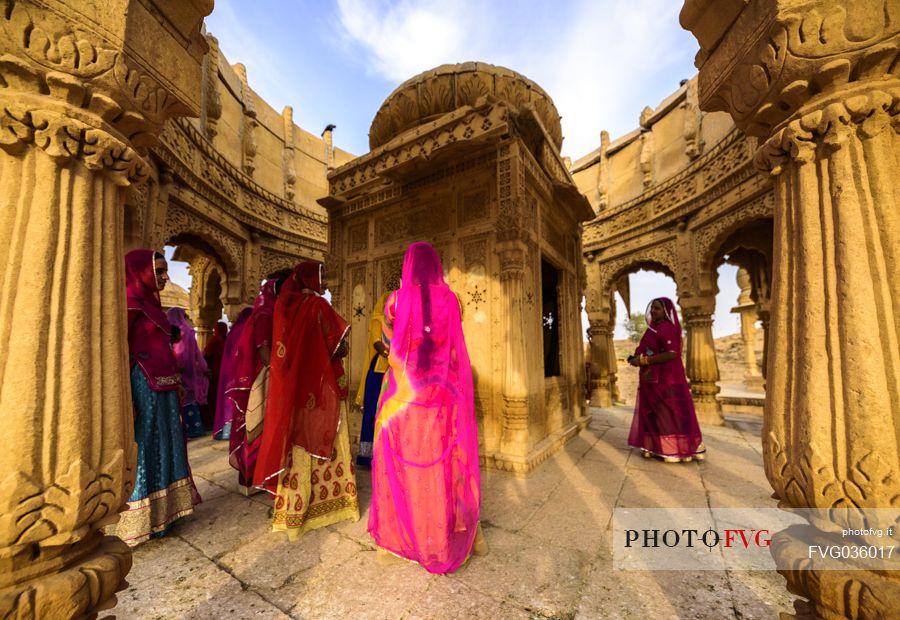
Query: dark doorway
550, 317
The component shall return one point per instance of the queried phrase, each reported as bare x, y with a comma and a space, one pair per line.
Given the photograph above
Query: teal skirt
163, 488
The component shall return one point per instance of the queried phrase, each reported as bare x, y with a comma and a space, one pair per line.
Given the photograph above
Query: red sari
307, 382
665, 423
305, 456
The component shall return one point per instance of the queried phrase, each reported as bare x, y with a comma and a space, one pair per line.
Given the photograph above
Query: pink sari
426, 489
664, 423
228, 370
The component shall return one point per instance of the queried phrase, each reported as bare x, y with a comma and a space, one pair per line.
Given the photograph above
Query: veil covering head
149, 331
309, 274
142, 288
424, 304
670, 311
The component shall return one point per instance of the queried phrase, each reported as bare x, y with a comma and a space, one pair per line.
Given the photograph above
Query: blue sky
602, 62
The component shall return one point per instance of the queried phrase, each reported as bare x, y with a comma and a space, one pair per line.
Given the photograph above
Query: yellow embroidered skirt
314, 493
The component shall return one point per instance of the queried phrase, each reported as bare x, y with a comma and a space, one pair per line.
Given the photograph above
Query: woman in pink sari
665, 423
426, 489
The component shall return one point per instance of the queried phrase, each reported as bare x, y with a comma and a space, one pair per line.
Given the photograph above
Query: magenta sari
664, 423
426, 485
227, 372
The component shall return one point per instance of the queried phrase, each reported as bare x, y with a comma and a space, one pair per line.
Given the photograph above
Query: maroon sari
307, 381
665, 423
212, 352
244, 443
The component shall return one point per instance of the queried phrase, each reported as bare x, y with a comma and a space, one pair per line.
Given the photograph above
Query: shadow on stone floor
550, 536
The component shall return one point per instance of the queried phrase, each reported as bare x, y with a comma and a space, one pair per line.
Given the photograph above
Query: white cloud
605, 69
406, 38
598, 59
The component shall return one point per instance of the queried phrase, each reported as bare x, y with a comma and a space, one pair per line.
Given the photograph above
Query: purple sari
664, 423
194, 371
228, 370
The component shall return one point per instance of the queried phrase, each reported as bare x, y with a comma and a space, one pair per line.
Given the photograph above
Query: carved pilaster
824, 104
248, 123
290, 171
212, 101
693, 142
77, 109
603, 173
514, 440
646, 159
700, 364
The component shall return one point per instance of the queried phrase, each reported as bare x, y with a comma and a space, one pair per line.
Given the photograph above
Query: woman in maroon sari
212, 353
227, 372
305, 457
247, 389
665, 423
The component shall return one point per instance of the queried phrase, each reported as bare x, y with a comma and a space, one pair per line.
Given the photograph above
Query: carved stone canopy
432, 94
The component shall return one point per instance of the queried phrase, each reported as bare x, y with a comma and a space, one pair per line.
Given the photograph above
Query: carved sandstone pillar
601, 328
746, 308
700, 364
514, 440
612, 358
817, 84
78, 105
600, 393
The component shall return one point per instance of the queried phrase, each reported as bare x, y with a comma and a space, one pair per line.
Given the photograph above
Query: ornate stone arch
272, 261
180, 222
709, 237
661, 257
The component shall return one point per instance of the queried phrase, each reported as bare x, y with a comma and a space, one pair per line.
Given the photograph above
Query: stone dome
430, 95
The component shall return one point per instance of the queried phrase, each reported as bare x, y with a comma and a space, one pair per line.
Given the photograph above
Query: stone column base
601, 394
830, 594
522, 465
755, 383
79, 590
708, 407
